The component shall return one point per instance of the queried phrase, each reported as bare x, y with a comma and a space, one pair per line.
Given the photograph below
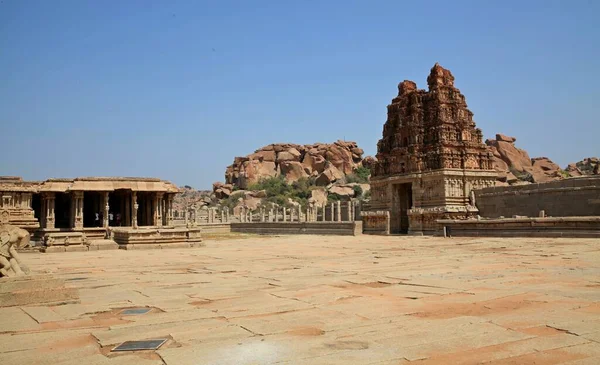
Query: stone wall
582, 227
319, 228
376, 222
564, 198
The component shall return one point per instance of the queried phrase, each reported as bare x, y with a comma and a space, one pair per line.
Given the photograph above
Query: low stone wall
574, 197
212, 228
143, 238
377, 222
281, 228
582, 227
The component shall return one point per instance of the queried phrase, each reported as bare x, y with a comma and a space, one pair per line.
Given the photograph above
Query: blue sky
176, 89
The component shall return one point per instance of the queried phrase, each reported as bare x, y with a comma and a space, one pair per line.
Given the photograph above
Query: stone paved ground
322, 300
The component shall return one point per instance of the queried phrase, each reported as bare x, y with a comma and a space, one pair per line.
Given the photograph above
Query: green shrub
359, 175
358, 191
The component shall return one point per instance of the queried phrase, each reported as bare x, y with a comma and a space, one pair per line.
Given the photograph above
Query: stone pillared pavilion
72, 214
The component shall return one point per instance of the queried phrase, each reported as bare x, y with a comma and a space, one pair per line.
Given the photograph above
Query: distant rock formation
587, 166
325, 162
514, 165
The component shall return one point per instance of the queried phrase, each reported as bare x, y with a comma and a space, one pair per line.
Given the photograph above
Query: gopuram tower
430, 157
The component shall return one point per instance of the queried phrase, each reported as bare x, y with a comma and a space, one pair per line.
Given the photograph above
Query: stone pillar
222, 215
160, 209
332, 218
350, 211
308, 213
227, 214
49, 210
276, 214
241, 214
209, 217
262, 215
77, 210
106, 222
299, 212
134, 210
284, 214
339, 211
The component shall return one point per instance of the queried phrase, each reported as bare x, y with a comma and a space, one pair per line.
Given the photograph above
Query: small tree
358, 191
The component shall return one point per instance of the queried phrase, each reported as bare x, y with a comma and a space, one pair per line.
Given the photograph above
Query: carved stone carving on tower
429, 130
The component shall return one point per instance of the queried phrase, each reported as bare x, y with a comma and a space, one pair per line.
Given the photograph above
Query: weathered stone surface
344, 191
313, 163
322, 300
512, 156
587, 166
369, 161
319, 197
329, 175
272, 160
504, 138
256, 170
292, 170
545, 170
11, 239
514, 164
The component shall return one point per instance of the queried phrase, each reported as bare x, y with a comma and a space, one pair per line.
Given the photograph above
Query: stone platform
335, 300
35, 290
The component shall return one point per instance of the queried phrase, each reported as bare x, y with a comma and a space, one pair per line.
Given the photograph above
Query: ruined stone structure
430, 157
11, 239
70, 214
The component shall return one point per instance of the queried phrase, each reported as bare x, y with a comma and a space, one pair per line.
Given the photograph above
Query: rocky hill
514, 165
326, 163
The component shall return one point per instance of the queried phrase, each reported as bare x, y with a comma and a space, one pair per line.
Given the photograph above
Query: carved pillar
134, 210
106, 217
299, 212
339, 211
284, 214
307, 216
227, 214
48, 202
262, 214
350, 211
170, 210
323, 215
276, 214
332, 211
158, 220
77, 210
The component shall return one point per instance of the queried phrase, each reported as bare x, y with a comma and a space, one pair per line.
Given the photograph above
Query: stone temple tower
430, 157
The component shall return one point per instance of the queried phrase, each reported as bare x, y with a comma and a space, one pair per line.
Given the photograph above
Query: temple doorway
62, 210
93, 203
401, 204
145, 209
119, 202
36, 205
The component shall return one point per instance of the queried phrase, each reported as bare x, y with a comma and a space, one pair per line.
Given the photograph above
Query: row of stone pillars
161, 207
283, 214
214, 216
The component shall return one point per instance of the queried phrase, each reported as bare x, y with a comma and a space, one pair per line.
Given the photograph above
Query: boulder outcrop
327, 162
